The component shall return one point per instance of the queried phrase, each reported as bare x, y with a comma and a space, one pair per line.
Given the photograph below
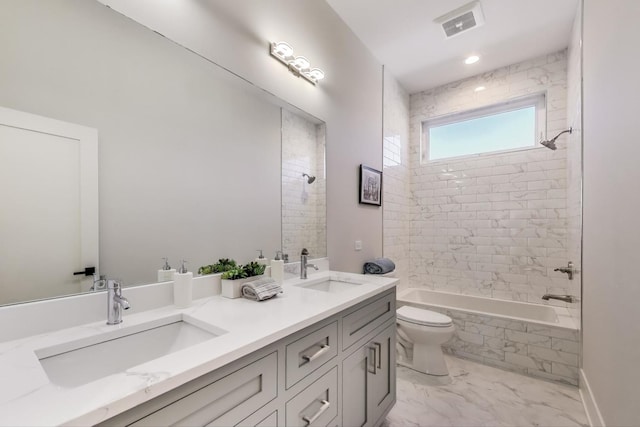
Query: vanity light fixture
472, 59
298, 65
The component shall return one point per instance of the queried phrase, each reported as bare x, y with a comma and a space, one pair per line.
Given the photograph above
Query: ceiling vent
462, 19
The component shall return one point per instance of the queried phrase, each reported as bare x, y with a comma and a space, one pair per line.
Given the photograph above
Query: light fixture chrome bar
298, 65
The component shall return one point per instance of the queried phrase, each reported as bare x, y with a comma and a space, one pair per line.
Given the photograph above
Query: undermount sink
332, 285
79, 362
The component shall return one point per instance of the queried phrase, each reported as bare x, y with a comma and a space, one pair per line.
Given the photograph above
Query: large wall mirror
192, 161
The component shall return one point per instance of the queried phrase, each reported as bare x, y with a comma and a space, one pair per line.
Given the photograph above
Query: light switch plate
358, 245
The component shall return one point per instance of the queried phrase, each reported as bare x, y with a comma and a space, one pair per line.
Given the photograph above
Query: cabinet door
369, 380
355, 403
316, 405
225, 402
381, 385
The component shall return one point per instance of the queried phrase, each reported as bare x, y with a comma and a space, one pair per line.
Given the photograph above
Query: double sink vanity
321, 353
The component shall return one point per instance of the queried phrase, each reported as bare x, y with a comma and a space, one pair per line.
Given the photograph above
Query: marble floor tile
480, 395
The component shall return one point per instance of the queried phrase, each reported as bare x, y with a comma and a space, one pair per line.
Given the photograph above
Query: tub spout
565, 298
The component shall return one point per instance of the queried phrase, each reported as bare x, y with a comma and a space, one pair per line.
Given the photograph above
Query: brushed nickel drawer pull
378, 354
374, 359
323, 349
324, 407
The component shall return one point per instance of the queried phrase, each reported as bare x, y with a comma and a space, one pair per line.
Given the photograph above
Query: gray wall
235, 34
611, 294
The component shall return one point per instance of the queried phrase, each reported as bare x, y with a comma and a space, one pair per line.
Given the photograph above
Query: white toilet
427, 331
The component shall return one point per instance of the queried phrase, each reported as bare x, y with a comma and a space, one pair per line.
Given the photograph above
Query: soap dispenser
277, 268
261, 259
182, 287
165, 274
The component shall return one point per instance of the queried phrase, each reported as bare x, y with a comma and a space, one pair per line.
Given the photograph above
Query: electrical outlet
358, 245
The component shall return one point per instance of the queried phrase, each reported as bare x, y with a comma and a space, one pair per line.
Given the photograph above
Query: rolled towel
379, 266
261, 289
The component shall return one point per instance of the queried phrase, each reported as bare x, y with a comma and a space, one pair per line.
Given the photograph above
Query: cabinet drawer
259, 420
367, 318
316, 405
224, 402
308, 353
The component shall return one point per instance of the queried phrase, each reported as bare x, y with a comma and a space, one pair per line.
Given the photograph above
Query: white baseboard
590, 406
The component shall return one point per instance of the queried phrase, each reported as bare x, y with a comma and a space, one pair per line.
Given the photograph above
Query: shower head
551, 143
310, 178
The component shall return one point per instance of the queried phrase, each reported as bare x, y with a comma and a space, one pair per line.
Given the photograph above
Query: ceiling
403, 36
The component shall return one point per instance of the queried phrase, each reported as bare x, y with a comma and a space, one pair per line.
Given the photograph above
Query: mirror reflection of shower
304, 197
551, 143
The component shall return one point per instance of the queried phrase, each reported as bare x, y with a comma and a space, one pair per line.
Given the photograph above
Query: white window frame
537, 100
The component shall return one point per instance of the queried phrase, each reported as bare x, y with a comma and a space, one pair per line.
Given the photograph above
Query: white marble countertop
27, 397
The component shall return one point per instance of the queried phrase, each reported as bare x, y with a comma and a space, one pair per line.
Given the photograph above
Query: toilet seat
424, 317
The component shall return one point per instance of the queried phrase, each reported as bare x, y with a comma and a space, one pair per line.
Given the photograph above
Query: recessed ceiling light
479, 89
472, 59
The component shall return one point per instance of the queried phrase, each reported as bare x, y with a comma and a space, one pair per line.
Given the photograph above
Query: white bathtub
538, 340
516, 310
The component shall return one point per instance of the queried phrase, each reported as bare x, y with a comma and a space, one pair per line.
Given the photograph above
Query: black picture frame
370, 189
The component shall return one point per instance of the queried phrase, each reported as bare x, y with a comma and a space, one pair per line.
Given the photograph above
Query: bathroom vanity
322, 353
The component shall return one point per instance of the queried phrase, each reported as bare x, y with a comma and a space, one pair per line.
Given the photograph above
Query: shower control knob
569, 270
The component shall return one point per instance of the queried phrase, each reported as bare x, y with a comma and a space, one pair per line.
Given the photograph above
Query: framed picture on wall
370, 186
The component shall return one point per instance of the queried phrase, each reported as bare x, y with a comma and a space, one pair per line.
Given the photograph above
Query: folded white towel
261, 289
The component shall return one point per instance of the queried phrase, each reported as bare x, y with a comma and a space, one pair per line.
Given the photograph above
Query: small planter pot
233, 288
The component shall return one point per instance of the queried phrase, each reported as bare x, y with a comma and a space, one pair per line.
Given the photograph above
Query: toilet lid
422, 316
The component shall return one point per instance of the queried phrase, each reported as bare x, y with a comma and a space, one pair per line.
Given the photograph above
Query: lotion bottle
182, 287
165, 274
261, 259
277, 268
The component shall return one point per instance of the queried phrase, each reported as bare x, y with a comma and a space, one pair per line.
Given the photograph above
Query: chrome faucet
304, 255
565, 298
569, 270
115, 302
98, 283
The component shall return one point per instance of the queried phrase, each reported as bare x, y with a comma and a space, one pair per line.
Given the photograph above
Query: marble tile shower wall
493, 225
396, 188
303, 205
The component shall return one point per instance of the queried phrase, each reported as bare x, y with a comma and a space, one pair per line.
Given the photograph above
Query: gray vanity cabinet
339, 371
369, 380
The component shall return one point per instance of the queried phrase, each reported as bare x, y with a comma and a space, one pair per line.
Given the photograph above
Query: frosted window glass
497, 132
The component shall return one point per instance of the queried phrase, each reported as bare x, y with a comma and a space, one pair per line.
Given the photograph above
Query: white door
48, 206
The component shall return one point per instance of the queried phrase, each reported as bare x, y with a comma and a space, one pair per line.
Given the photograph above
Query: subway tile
564, 370
565, 345
522, 361
544, 353
469, 337
485, 351
506, 346
486, 330
527, 338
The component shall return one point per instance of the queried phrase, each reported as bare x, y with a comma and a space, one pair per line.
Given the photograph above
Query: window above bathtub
507, 126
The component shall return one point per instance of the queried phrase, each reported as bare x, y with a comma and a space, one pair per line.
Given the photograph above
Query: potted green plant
223, 264
234, 278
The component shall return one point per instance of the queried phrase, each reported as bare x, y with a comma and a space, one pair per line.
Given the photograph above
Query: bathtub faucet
568, 270
565, 298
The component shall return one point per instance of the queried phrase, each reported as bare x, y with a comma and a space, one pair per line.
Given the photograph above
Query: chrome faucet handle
569, 270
